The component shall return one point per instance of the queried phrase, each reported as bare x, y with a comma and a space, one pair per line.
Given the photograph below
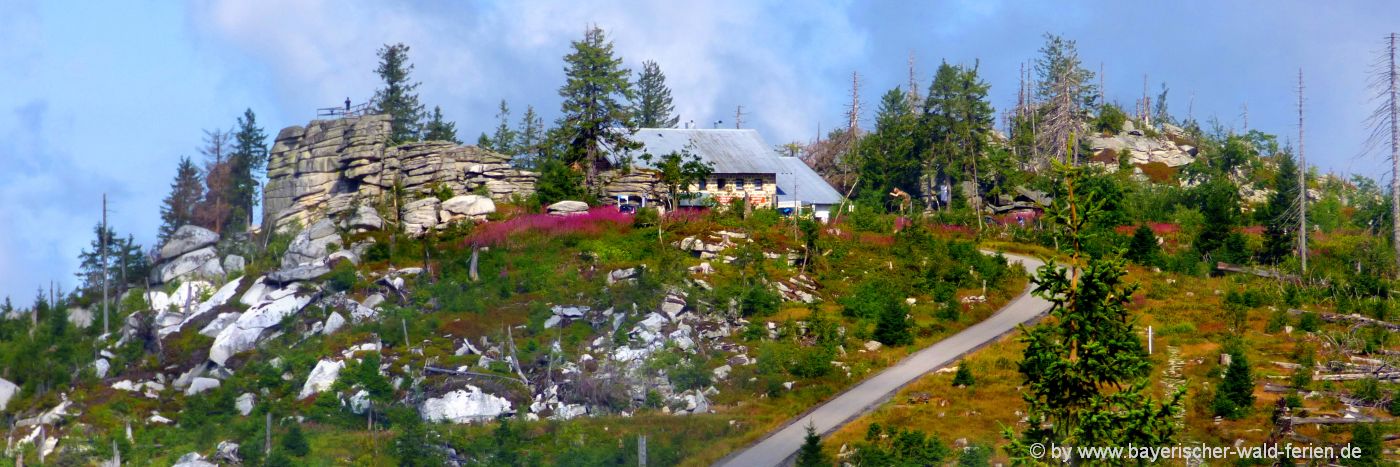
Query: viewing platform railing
359, 110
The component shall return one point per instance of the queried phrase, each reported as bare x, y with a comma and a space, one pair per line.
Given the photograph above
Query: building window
704, 184
758, 184
719, 182
738, 184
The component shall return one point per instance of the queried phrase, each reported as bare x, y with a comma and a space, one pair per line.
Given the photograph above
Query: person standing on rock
347, 106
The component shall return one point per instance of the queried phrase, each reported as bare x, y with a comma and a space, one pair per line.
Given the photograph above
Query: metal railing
359, 110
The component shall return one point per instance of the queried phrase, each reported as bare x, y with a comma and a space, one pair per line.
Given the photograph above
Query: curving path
780, 446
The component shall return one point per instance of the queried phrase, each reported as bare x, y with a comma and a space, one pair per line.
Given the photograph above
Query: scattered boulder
464, 406
80, 317
99, 367
364, 218
312, 244
245, 332
321, 378
202, 263
872, 345
567, 208
227, 453
300, 273
192, 459
7, 391
245, 403
333, 323
420, 216
234, 264
186, 239
201, 384
469, 206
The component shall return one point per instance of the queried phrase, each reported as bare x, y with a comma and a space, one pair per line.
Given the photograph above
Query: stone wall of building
329, 166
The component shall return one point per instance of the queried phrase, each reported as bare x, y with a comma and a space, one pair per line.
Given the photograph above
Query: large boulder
321, 379
202, 263
234, 264
365, 218
567, 208
244, 333
312, 244
187, 238
201, 384
299, 273
170, 322
420, 216
7, 391
469, 206
464, 406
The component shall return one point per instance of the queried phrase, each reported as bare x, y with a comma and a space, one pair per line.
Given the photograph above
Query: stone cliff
329, 166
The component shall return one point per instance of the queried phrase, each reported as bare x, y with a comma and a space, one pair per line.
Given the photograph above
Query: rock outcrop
464, 406
1143, 149
188, 253
332, 166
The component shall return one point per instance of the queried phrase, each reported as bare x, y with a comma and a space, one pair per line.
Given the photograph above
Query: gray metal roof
731, 151
797, 177
737, 151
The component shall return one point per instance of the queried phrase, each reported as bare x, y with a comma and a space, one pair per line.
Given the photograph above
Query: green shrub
1110, 119
964, 375
295, 442
1309, 322
342, 277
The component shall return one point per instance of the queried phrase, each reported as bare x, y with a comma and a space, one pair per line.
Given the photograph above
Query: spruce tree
963, 377
1086, 373
596, 117
1280, 219
248, 157
1143, 248
654, 107
295, 442
178, 207
892, 327
216, 207
957, 121
1064, 88
503, 140
810, 454
1235, 396
530, 140
1365, 437
438, 129
397, 97
887, 157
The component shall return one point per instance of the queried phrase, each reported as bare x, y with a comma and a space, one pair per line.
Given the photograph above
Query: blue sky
104, 97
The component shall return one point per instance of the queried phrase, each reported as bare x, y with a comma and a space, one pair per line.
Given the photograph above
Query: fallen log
1382, 376
1326, 420
1353, 318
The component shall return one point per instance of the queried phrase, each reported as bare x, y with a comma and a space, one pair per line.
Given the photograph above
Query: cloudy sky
104, 97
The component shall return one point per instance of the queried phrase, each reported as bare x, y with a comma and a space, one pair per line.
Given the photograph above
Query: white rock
552, 321
187, 238
219, 324
156, 418
653, 322
566, 208
473, 206
234, 264
788, 385
365, 218
202, 263
359, 402
872, 345
219, 298
464, 406
722, 371
256, 293
245, 403
199, 385
7, 391
569, 411
421, 215
243, 334
99, 367
193, 459
373, 300
321, 378
311, 245
333, 323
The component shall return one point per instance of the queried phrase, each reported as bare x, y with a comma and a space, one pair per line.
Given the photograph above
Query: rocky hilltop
330, 166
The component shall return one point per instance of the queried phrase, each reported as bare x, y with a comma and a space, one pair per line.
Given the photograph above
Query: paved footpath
780, 447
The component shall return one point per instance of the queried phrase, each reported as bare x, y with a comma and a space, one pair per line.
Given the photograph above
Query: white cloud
716, 55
